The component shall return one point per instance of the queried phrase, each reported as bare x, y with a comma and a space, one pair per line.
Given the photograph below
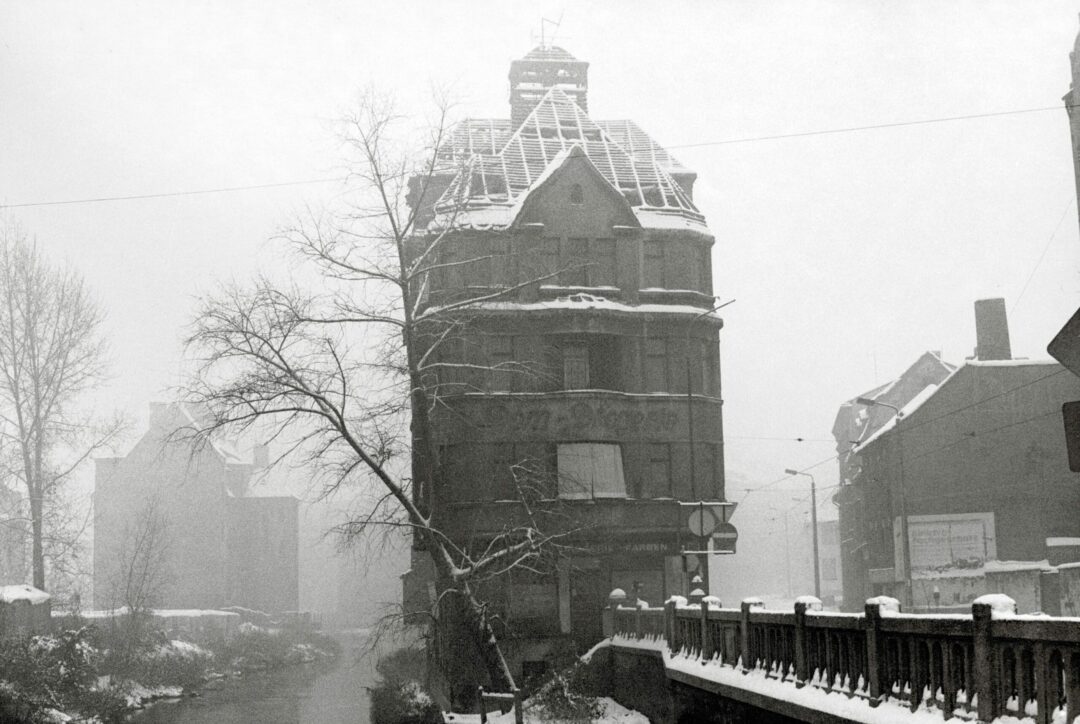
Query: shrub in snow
565, 697
398, 696
677, 600
712, 602
812, 603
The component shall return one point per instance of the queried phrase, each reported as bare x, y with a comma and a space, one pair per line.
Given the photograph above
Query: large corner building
592, 363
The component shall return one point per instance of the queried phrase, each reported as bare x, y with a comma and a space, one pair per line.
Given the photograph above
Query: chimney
158, 413
991, 330
260, 456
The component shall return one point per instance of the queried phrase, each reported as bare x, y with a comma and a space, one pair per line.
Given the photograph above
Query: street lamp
906, 568
787, 547
813, 524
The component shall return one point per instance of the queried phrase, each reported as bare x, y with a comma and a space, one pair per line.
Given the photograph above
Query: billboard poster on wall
940, 542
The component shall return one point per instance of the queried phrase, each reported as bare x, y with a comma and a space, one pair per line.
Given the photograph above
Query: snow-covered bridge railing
987, 664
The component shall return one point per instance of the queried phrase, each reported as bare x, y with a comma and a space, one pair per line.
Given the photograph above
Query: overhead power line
751, 139
166, 194
873, 127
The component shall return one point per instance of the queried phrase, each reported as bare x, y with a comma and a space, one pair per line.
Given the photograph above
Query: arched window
577, 196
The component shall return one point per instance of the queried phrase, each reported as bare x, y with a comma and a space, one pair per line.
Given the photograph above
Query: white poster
938, 542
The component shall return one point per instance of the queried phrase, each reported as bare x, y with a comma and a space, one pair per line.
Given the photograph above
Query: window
576, 263
590, 470
549, 260
658, 470
656, 365
602, 271
500, 354
653, 274
577, 196
575, 367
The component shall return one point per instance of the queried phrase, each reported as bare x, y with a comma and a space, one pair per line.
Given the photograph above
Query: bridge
750, 664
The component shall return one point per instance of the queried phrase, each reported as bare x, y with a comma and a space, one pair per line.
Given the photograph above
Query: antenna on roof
544, 42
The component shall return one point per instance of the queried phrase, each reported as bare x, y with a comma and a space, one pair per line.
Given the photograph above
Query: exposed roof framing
637, 166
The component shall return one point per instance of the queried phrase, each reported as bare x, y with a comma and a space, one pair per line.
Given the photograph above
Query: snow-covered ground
614, 713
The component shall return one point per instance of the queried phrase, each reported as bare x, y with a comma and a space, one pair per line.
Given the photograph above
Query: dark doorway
588, 596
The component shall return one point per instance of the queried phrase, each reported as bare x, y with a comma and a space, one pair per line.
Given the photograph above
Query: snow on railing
987, 664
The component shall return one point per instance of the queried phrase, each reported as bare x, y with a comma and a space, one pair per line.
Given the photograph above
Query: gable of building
572, 198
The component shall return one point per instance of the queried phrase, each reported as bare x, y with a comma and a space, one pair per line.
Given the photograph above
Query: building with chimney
186, 513
587, 367
974, 464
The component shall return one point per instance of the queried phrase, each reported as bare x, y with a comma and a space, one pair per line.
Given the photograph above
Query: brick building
221, 545
595, 367
978, 463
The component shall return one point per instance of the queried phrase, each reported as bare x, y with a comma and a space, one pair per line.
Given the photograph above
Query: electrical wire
752, 139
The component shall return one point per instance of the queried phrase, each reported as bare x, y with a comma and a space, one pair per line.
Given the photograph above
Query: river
328, 693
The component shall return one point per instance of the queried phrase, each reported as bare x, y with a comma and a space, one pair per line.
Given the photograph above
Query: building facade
586, 373
854, 424
977, 466
187, 509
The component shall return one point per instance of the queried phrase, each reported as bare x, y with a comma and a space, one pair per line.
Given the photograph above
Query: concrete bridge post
873, 652
706, 640
744, 631
670, 629
985, 682
802, 667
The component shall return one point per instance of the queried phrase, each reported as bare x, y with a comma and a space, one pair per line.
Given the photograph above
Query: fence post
744, 631
706, 640
519, 715
802, 673
483, 707
874, 653
986, 682
670, 632
637, 619
615, 598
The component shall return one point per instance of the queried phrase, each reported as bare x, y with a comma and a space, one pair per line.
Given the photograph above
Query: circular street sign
703, 521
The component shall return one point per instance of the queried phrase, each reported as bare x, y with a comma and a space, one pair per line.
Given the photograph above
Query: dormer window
577, 196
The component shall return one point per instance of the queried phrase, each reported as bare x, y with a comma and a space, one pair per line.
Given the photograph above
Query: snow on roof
1010, 362
913, 404
23, 592
583, 302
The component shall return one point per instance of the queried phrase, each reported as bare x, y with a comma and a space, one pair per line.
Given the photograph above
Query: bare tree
141, 569
356, 362
51, 351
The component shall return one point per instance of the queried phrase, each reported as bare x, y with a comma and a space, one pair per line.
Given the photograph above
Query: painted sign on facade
938, 542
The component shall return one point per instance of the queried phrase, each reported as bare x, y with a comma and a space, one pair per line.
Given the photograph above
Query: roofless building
586, 366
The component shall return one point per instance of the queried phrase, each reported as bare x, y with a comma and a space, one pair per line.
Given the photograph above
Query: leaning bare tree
51, 352
351, 364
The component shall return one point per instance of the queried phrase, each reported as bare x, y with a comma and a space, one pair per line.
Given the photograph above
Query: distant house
24, 610
188, 509
978, 464
854, 425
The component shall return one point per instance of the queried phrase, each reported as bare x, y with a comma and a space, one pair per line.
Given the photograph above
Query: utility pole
813, 525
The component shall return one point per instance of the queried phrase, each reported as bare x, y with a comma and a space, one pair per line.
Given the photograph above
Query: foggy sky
849, 254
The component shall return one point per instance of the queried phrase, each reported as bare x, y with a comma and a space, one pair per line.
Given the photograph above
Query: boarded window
653, 274
576, 263
656, 365
602, 272
500, 362
590, 470
575, 367
658, 475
